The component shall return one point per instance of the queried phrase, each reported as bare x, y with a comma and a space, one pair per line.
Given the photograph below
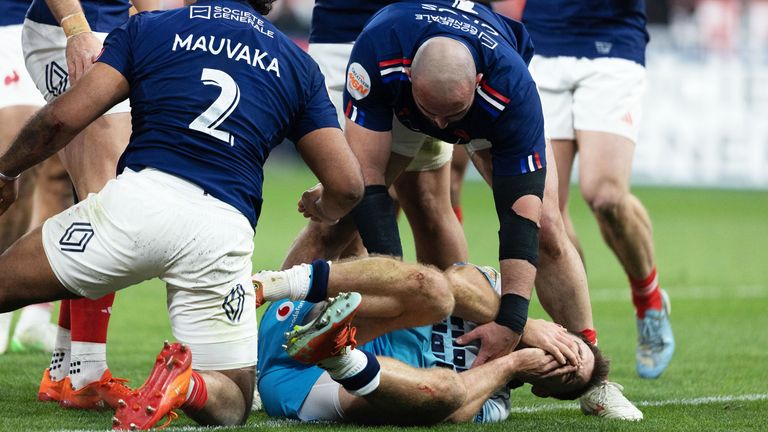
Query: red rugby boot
164, 390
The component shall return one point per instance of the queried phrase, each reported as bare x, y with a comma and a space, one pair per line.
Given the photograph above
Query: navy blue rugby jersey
13, 12
506, 109
340, 21
213, 90
588, 28
102, 15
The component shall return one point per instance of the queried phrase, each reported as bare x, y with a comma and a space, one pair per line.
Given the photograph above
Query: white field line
521, 410
669, 402
687, 292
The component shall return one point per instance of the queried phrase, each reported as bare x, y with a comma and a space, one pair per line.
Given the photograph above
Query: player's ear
478, 78
540, 391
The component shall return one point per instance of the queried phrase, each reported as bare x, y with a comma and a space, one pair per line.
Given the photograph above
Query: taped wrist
376, 222
518, 236
75, 24
513, 312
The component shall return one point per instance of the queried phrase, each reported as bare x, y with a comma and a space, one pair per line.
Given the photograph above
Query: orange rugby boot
50, 391
164, 390
328, 334
98, 395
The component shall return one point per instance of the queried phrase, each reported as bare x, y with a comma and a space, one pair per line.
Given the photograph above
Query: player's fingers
570, 354
560, 371
554, 350
469, 337
479, 360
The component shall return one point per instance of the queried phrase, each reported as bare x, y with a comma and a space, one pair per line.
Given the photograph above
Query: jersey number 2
221, 108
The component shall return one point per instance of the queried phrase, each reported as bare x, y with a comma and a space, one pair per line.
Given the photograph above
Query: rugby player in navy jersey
61, 39
420, 376
590, 72
213, 90
438, 236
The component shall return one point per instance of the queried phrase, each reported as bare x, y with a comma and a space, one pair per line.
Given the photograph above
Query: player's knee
447, 393
605, 202
433, 291
552, 235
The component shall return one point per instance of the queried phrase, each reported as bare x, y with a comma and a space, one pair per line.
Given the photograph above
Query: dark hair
599, 373
262, 6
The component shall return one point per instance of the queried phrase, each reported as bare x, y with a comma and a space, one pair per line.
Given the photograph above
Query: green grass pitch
711, 254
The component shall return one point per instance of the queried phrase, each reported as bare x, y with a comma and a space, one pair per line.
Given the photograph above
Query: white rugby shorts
322, 402
428, 153
602, 94
44, 48
16, 86
151, 224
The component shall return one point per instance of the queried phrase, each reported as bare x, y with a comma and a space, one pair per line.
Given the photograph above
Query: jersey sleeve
117, 50
517, 141
318, 111
366, 100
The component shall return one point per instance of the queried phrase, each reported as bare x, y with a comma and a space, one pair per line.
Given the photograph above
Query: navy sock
318, 287
361, 382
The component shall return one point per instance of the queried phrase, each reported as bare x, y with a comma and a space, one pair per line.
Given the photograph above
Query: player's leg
424, 194
406, 396
561, 282
52, 194
565, 151
210, 305
459, 162
607, 112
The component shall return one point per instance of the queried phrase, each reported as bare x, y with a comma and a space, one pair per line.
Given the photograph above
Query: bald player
458, 72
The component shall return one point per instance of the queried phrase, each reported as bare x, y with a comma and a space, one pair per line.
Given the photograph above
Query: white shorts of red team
603, 94
16, 86
44, 48
150, 224
427, 153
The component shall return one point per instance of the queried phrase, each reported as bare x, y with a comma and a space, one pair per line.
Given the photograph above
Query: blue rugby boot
655, 344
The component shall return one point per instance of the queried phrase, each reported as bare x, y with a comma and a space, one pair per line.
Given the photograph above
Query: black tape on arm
513, 312
518, 236
376, 221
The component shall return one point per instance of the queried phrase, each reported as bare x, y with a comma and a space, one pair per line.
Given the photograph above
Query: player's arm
146, 5
82, 46
56, 124
328, 155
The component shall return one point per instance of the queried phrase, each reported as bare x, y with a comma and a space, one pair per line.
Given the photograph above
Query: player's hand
552, 338
495, 341
310, 205
9, 191
82, 51
537, 363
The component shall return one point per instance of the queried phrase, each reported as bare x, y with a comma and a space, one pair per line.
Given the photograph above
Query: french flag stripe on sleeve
492, 97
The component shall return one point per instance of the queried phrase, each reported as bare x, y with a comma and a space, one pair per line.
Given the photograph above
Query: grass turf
711, 259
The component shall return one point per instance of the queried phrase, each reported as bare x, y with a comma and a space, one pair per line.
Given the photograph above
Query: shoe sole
315, 341
164, 390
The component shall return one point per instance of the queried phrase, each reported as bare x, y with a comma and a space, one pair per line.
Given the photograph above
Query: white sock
345, 365
291, 284
59, 368
32, 316
5, 330
87, 363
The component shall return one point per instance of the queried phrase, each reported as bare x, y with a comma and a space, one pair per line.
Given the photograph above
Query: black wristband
513, 312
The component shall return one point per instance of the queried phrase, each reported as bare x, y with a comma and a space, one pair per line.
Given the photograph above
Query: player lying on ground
188, 196
392, 377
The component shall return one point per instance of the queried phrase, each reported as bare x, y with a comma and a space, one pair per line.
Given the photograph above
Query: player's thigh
115, 238
210, 294
605, 164
27, 275
555, 85
91, 158
564, 152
